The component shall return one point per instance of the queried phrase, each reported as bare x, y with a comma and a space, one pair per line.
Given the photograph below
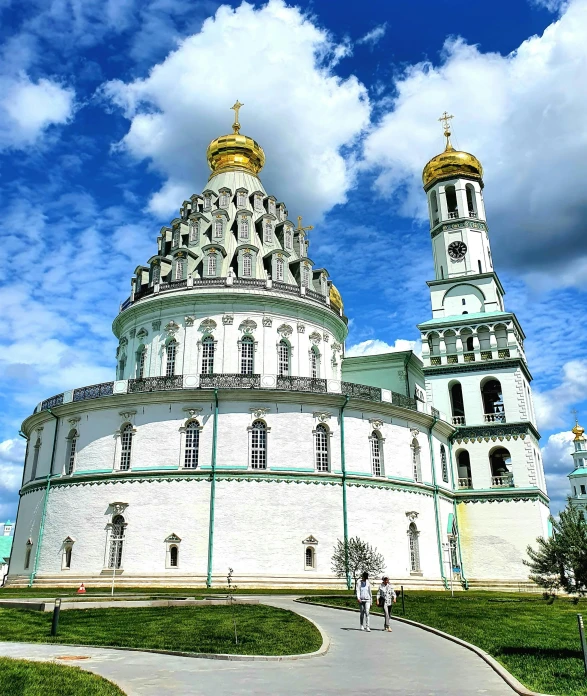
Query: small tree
360, 556
561, 560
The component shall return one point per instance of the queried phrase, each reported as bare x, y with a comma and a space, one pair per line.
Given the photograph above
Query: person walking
364, 598
385, 598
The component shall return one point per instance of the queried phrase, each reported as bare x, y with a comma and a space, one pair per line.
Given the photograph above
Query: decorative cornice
485, 366
472, 224
494, 432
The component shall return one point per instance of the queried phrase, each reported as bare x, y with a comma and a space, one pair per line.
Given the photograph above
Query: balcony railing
452, 359
494, 417
473, 214
56, 400
151, 384
454, 215
465, 483
435, 360
403, 401
230, 381
469, 357
505, 481
458, 420
486, 355
504, 353
305, 384
361, 391
95, 391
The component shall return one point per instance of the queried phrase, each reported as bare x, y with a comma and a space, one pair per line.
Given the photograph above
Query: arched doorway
464, 467
500, 462
493, 408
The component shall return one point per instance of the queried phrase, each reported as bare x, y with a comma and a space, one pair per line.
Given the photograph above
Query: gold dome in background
578, 432
335, 298
235, 151
451, 163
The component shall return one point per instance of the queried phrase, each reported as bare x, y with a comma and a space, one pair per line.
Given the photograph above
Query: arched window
413, 535
27, 556
258, 202
116, 542
309, 557
443, 464
501, 336
434, 207
173, 556
212, 265
434, 343
171, 352
194, 228
241, 199
457, 403
207, 202
283, 358
305, 276
218, 228
156, 274
126, 435
464, 469
192, 445
175, 237
121, 366
67, 558
268, 228
224, 200
247, 265
376, 454
179, 269
500, 462
244, 228
471, 200
314, 362
493, 407
141, 360
208, 355
322, 451
416, 466
288, 237
71, 449
470, 344
259, 445
279, 269
247, 352
36, 451
451, 202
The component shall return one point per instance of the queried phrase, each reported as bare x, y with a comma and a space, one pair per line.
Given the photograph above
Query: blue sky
107, 106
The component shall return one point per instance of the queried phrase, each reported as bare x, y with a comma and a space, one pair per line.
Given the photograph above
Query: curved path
408, 661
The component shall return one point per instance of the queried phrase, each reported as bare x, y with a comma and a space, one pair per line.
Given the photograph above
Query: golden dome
578, 432
335, 298
451, 163
235, 151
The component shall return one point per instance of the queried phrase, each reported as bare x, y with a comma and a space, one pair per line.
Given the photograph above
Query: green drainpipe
465, 582
406, 361
344, 507
212, 491
436, 515
42, 525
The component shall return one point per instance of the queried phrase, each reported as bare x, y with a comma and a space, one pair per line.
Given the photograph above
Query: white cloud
523, 116
11, 463
280, 65
27, 109
374, 36
557, 465
551, 5
552, 405
374, 346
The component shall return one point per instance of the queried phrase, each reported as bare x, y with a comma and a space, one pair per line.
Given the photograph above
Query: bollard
583, 644
56, 611
403, 602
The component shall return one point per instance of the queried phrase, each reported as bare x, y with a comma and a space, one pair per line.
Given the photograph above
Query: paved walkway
408, 661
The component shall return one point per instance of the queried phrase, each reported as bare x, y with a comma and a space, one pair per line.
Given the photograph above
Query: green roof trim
581, 471
465, 317
5, 546
449, 526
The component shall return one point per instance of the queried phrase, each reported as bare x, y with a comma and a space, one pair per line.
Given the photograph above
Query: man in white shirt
364, 598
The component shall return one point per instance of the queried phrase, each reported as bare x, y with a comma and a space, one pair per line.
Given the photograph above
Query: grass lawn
536, 640
262, 630
24, 678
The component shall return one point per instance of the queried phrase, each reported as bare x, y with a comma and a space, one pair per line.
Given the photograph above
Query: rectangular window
141, 364
321, 448
208, 356
194, 227
258, 203
288, 237
247, 265
243, 228
171, 351
71, 455
212, 265
259, 445
207, 202
218, 229
376, 456
272, 207
582, 490
224, 200
268, 227
279, 269
241, 199
247, 349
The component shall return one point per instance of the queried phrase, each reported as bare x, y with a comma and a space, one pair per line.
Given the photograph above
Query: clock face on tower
457, 250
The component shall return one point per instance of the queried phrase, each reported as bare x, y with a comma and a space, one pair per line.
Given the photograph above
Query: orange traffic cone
82, 589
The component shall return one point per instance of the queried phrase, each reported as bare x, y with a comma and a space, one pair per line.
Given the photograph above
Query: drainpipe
212, 491
406, 361
42, 525
436, 514
344, 506
456, 519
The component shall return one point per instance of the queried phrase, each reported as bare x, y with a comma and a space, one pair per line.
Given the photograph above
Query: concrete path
408, 661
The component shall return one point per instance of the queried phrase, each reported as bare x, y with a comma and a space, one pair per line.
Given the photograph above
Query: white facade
230, 438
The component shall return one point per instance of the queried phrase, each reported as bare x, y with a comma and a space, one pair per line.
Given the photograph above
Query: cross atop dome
236, 126
445, 120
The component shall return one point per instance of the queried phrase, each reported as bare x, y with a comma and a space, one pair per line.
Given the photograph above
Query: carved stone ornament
336, 347
326, 337
414, 432
322, 416
73, 421
39, 430
228, 320
315, 338
301, 328
412, 515
376, 424
68, 541
156, 324
231, 273
142, 333
118, 508
284, 330
310, 540
133, 333
259, 412
207, 325
172, 328
172, 539
127, 415
189, 321
267, 321
247, 326
192, 410
123, 341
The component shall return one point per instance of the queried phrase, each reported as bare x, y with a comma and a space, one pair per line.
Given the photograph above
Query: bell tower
476, 372
578, 477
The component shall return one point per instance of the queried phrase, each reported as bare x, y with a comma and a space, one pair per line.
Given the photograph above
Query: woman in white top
364, 598
385, 598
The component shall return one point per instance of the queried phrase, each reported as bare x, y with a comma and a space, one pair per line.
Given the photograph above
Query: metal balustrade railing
361, 391
56, 400
505, 481
305, 384
458, 420
230, 381
465, 483
94, 391
494, 417
151, 384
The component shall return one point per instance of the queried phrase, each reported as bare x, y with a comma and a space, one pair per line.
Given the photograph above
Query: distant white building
6, 531
237, 434
578, 477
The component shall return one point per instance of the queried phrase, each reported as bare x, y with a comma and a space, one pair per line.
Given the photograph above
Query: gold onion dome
335, 297
451, 163
578, 432
235, 152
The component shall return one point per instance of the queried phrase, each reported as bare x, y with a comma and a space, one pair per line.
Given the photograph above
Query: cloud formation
557, 465
552, 405
521, 115
303, 114
375, 346
374, 36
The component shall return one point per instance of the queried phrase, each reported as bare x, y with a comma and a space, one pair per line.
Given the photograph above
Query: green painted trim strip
228, 467
155, 468
290, 468
92, 471
212, 491
358, 473
344, 501
456, 517
435, 497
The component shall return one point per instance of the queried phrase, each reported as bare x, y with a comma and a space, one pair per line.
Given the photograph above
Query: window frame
248, 341
258, 445
322, 434
283, 362
376, 441
171, 357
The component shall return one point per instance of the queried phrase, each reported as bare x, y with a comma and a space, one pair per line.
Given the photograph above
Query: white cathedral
237, 434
